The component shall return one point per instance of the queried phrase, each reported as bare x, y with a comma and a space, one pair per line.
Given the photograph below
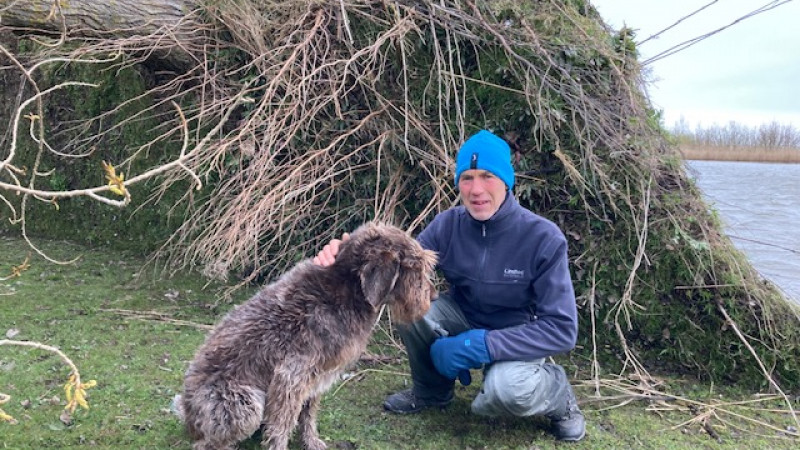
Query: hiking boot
406, 402
568, 423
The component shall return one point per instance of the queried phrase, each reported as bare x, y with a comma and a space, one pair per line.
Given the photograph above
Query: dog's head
393, 269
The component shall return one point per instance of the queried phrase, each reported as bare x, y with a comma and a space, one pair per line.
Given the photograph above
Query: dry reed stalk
156, 316
748, 154
739, 415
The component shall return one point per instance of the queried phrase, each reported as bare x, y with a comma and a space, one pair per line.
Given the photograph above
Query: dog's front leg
308, 425
284, 403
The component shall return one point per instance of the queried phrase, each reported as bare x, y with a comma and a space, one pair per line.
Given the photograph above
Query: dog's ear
378, 278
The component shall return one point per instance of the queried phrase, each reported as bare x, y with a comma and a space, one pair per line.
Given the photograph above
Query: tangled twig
16, 271
74, 389
156, 316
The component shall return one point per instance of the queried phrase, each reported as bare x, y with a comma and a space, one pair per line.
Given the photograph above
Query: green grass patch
138, 362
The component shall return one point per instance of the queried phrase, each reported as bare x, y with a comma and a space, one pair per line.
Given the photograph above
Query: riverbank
748, 154
135, 334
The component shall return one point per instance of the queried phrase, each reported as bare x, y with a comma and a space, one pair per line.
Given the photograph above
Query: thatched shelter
253, 131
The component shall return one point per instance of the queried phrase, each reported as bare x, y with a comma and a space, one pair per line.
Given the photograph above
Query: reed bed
748, 154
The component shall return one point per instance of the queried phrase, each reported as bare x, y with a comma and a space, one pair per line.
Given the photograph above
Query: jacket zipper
482, 280
485, 251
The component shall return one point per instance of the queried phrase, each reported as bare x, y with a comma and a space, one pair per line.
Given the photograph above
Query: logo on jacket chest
514, 274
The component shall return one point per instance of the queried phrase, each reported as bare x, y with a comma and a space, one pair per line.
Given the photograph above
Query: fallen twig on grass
4, 398
156, 316
74, 389
736, 414
16, 271
705, 412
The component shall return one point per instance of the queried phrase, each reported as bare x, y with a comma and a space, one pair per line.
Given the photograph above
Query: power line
659, 33
768, 244
690, 42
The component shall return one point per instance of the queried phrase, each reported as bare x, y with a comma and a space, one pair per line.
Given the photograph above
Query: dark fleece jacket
509, 275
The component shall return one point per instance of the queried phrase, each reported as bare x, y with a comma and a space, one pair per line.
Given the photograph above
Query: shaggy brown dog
270, 359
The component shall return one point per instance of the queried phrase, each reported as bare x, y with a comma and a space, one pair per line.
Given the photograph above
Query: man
510, 305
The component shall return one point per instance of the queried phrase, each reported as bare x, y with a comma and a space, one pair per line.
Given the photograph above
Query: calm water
760, 205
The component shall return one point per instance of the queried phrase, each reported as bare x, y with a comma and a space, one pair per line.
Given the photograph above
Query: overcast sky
748, 73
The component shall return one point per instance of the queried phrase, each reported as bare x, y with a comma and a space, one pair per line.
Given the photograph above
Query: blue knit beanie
488, 152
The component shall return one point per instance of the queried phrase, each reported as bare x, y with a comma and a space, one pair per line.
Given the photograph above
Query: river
760, 206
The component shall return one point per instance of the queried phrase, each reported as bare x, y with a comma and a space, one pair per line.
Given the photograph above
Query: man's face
481, 193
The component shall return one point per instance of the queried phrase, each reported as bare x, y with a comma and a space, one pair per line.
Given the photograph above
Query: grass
749, 154
139, 364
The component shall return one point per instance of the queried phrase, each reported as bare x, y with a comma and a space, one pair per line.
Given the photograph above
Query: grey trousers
510, 388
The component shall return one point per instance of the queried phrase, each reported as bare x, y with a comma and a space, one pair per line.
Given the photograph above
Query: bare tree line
768, 136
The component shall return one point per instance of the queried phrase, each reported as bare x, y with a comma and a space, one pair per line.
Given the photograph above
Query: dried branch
119, 185
75, 390
752, 351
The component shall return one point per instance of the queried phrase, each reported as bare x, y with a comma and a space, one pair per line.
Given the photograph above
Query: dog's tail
176, 407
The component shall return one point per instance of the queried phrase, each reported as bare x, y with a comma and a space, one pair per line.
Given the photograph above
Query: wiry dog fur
270, 359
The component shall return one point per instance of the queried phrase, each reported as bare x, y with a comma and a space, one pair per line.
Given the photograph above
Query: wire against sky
690, 42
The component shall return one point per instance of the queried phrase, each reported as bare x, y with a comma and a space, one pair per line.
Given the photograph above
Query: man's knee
513, 388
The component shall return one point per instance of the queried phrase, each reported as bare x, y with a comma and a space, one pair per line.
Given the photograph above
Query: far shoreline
741, 154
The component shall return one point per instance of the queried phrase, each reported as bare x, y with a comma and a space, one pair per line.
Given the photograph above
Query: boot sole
573, 439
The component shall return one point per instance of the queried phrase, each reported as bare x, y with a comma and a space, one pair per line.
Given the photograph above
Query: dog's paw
315, 444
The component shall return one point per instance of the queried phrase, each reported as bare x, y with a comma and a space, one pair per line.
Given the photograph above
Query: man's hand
454, 356
327, 256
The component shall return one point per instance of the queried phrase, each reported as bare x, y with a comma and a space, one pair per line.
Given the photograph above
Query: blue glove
454, 356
